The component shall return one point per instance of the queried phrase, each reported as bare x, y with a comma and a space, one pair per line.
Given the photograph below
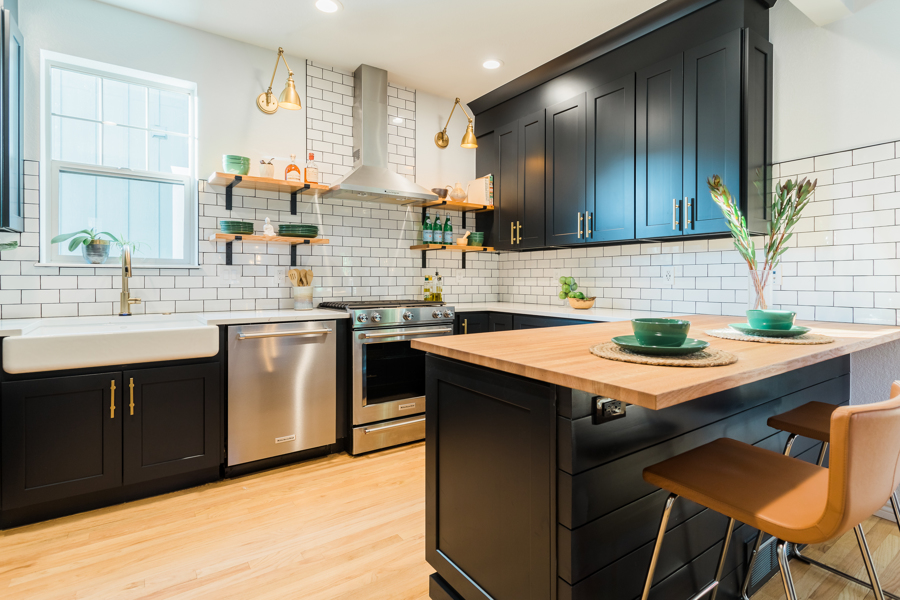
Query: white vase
266, 170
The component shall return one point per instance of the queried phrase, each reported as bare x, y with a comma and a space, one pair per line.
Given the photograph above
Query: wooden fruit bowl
582, 304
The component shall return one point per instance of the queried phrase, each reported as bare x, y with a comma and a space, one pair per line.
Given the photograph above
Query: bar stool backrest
864, 464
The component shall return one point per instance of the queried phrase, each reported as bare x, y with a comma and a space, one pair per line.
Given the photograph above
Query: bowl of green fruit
569, 291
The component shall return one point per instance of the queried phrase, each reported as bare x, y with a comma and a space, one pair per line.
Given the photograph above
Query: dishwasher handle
254, 336
403, 334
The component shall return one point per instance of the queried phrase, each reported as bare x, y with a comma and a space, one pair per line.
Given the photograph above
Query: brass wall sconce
289, 98
442, 140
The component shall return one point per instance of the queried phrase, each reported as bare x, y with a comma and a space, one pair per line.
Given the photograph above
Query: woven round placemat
711, 357
807, 339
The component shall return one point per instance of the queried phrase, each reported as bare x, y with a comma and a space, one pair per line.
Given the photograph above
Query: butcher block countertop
561, 355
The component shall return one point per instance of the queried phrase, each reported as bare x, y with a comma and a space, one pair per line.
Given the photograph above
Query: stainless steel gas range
388, 391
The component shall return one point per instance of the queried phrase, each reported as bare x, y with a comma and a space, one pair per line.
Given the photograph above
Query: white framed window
121, 150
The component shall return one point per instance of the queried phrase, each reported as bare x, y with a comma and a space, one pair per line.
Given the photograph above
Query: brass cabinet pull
512, 232
131, 391
580, 219
112, 399
518, 232
687, 213
465, 327
588, 234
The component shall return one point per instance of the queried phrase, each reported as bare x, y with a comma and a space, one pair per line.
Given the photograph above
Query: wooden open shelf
238, 237
264, 183
452, 248
453, 206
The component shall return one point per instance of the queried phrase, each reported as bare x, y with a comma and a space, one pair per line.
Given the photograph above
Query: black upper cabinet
12, 178
486, 163
171, 417
565, 208
506, 185
610, 162
712, 129
660, 102
62, 437
756, 126
530, 221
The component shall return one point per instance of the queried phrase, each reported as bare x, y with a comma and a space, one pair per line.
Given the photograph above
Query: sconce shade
289, 98
469, 140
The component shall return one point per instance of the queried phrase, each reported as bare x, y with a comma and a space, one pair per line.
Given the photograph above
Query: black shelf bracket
237, 179
229, 251
294, 202
293, 255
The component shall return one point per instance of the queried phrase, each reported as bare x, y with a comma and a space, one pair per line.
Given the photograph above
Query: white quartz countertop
562, 311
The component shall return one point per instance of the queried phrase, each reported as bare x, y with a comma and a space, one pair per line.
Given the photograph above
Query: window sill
112, 265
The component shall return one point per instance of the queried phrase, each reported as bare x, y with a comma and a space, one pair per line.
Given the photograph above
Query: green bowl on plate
771, 319
631, 343
661, 332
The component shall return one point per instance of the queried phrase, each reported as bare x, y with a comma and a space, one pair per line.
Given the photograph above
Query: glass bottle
292, 171
312, 170
427, 289
438, 293
427, 237
448, 231
437, 236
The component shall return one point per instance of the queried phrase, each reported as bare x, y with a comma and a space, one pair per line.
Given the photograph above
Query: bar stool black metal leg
785, 569
867, 558
667, 512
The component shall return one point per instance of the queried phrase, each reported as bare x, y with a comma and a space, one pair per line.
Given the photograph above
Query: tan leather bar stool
794, 501
813, 420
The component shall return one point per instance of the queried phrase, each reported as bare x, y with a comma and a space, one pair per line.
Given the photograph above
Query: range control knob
448, 313
407, 316
376, 317
436, 314
362, 318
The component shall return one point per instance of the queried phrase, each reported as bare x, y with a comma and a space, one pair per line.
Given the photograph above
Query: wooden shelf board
232, 237
452, 248
453, 205
264, 183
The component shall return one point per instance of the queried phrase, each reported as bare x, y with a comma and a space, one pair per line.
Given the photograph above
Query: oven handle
392, 425
365, 336
253, 336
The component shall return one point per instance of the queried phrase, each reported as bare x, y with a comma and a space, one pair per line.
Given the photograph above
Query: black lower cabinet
62, 437
171, 421
500, 322
472, 322
531, 322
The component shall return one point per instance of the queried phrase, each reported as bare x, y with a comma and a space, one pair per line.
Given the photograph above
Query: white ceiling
436, 46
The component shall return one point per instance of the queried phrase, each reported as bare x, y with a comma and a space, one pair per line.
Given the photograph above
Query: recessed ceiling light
492, 64
329, 6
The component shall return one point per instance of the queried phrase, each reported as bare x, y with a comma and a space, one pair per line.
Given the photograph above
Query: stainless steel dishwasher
282, 394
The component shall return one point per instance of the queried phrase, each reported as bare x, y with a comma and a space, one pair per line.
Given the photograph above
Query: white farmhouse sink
80, 342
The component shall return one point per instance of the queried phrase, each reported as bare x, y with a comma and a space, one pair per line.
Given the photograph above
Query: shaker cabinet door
62, 437
506, 186
530, 221
712, 129
565, 156
660, 104
610, 162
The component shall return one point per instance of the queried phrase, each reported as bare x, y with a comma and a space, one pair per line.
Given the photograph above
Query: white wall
436, 167
836, 87
229, 74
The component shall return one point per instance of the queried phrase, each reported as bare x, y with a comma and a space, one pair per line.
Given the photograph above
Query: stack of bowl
298, 230
238, 165
476, 238
236, 227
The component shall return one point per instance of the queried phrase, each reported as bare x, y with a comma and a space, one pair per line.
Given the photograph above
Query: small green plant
568, 289
83, 237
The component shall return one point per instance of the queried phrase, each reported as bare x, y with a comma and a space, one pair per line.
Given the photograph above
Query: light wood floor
337, 528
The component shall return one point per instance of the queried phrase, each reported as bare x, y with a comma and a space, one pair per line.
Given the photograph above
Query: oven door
388, 374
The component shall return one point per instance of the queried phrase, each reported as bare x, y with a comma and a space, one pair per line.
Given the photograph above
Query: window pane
124, 103
74, 140
168, 153
169, 111
124, 147
74, 94
149, 213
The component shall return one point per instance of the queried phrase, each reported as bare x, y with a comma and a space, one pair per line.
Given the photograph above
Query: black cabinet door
712, 129
62, 437
506, 186
473, 322
486, 163
171, 417
530, 222
610, 162
660, 102
757, 129
501, 321
565, 157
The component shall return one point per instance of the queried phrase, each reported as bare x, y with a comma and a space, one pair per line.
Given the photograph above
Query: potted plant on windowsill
788, 202
94, 249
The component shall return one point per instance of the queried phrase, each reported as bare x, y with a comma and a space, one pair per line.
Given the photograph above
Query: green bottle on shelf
427, 231
448, 231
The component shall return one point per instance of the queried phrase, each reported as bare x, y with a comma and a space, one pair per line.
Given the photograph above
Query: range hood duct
371, 180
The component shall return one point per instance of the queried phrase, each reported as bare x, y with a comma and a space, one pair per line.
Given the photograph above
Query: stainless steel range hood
371, 180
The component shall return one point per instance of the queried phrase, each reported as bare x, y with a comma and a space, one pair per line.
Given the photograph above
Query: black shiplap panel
596, 492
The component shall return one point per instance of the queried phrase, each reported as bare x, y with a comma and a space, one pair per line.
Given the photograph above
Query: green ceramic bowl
661, 332
771, 319
235, 158
236, 169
